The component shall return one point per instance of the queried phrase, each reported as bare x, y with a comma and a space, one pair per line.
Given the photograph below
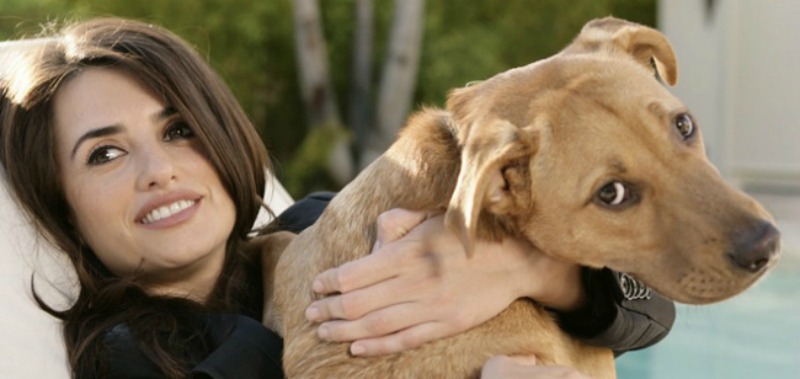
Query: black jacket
621, 314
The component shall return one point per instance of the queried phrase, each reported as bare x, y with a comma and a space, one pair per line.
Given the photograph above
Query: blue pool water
754, 335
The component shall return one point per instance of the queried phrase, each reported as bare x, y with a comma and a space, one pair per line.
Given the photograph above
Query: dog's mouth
710, 285
703, 277
713, 281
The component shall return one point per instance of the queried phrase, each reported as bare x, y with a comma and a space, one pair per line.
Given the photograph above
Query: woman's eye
178, 130
614, 194
685, 125
104, 154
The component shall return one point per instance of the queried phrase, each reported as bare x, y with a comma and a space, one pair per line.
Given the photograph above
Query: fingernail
317, 286
312, 313
323, 332
529, 360
357, 349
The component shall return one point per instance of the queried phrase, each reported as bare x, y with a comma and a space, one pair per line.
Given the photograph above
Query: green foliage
307, 171
251, 44
473, 42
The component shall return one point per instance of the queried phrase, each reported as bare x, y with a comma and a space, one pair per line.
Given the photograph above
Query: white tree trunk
399, 77
316, 88
360, 116
312, 58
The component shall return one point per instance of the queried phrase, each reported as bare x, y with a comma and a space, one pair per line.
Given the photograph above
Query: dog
584, 154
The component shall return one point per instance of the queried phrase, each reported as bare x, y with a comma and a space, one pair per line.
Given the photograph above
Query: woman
132, 156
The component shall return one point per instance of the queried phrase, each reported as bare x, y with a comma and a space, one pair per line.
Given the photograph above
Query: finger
363, 272
355, 304
375, 324
511, 360
524, 366
525, 360
561, 372
495, 366
400, 341
503, 366
372, 269
395, 223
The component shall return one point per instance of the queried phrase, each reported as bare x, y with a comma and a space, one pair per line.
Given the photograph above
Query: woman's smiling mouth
169, 210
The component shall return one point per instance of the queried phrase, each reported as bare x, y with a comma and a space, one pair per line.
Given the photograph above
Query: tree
399, 77
326, 144
361, 104
312, 57
318, 98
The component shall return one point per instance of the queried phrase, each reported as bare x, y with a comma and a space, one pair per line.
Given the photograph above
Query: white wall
739, 75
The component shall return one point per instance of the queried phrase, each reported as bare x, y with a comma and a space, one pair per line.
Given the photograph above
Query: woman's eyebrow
95, 133
114, 129
164, 113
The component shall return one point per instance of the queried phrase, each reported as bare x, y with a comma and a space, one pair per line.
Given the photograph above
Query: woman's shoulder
243, 348
304, 212
234, 346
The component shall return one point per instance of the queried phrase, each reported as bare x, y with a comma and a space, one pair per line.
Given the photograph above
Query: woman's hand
418, 286
505, 367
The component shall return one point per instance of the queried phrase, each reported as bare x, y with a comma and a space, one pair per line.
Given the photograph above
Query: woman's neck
194, 282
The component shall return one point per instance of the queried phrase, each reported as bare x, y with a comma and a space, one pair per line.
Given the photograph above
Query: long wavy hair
172, 69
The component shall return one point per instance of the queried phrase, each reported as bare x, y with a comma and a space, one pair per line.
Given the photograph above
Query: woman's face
143, 194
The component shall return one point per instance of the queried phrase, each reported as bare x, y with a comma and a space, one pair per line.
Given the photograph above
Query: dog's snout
755, 248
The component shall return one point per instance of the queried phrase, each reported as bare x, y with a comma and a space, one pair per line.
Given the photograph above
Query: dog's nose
754, 249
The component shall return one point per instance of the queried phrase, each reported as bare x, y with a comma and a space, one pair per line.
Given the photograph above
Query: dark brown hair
167, 65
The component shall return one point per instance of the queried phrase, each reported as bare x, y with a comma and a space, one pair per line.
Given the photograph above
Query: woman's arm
418, 286
422, 286
621, 313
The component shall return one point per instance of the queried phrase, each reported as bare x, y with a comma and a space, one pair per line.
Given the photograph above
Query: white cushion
31, 344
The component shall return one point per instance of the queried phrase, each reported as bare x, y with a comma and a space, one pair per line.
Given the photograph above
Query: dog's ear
646, 45
488, 151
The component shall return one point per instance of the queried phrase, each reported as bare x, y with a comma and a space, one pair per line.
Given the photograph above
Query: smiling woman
133, 158
169, 217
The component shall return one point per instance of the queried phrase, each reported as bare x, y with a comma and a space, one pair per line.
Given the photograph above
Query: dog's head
589, 157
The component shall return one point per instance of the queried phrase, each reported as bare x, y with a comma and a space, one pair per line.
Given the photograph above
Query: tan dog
587, 156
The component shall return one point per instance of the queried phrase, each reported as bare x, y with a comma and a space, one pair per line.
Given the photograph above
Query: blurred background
329, 83
313, 74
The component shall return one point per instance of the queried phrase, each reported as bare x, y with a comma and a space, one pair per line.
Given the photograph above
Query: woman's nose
156, 169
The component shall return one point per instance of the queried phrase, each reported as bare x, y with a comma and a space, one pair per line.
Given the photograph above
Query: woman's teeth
161, 213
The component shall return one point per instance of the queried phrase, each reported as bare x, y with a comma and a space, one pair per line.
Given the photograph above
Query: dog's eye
685, 125
614, 194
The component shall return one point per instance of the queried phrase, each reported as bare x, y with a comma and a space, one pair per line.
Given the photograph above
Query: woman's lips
168, 210
171, 214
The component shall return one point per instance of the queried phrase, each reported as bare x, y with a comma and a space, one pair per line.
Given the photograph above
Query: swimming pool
754, 335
